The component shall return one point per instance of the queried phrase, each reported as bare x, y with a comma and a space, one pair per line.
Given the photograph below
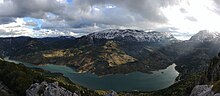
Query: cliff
210, 80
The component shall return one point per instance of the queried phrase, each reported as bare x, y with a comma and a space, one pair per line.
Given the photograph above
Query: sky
50, 18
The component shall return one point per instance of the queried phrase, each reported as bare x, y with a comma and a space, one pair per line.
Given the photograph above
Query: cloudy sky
44, 18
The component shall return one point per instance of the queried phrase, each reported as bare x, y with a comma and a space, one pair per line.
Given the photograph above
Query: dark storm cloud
81, 13
32, 8
6, 20
148, 9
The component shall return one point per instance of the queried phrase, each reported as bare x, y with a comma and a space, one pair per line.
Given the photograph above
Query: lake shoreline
119, 82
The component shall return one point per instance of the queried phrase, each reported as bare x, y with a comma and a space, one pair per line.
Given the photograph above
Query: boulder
48, 89
203, 90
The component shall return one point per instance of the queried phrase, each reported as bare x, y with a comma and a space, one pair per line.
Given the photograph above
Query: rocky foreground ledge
53, 89
203, 90
48, 89
4, 90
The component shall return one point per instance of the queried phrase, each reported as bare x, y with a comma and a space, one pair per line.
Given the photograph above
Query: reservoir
119, 82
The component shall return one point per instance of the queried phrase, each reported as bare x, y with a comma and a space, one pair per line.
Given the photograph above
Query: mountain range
116, 51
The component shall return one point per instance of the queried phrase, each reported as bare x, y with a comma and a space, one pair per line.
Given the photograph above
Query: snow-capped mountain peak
205, 35
137, 35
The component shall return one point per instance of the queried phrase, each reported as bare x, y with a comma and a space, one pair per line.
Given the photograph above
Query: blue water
118, 82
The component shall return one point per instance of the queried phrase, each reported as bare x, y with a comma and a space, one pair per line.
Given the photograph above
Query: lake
119, 82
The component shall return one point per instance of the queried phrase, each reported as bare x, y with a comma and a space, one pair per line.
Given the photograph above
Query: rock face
213, 71
112, 93
211, 76
202, 90
48, 89
4, 90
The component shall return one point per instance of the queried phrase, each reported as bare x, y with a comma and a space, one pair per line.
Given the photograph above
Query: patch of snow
139, 35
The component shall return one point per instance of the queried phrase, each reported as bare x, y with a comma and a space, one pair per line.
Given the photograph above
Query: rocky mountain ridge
107, 52
138, 35
205, 35
114, 56
113, 50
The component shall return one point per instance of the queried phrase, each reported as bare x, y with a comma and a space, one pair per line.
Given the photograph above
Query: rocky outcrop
4, 90
48, 89
112, 93
211, 76
203, 90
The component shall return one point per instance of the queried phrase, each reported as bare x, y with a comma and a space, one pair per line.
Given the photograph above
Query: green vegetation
100, 59
18, 78
212, 76
216, 87
113, 55
182, 88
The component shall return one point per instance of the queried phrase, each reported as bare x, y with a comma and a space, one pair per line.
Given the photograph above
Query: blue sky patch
33, 20
69, 1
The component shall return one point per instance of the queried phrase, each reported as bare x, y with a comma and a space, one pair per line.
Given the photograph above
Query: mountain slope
106, 52
113, 50
206, 83
14, 46
108, 58
205, 35
193, 55
210, 80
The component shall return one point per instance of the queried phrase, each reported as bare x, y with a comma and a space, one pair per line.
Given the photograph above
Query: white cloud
1, 1
15, 29
78, 18
19, 28
198, 15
